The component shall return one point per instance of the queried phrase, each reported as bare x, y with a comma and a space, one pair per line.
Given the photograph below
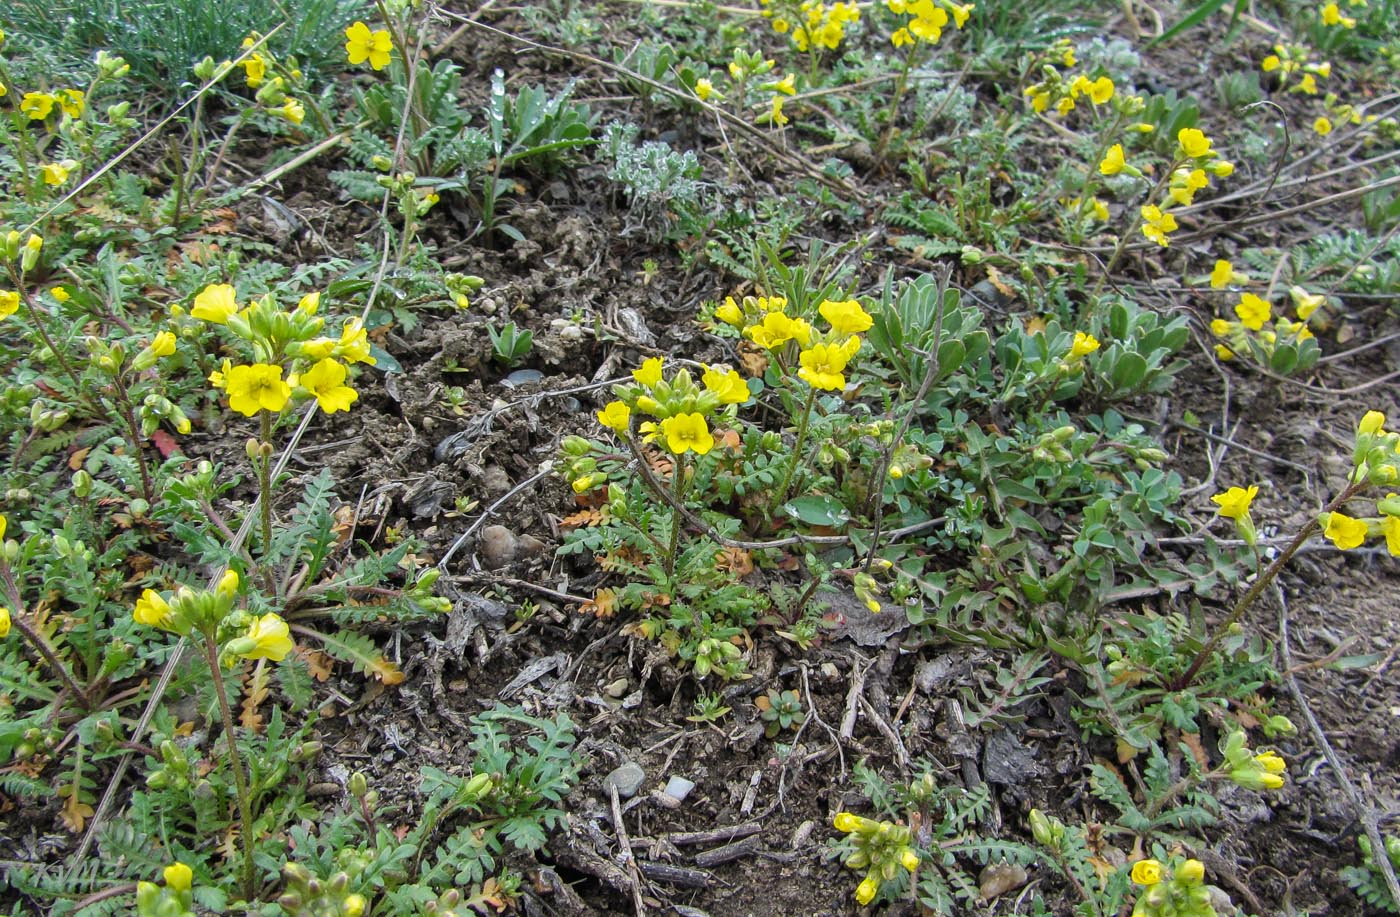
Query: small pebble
617, 688
627, 778
1000, 878
497, 547
678, 788
522, 377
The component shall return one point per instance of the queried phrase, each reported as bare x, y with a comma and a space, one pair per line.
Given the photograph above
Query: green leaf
818, 510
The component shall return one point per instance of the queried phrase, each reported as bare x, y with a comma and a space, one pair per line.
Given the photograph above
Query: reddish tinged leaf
165, 443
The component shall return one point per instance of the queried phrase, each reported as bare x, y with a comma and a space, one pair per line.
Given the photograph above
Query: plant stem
240, 781
134, 434
782, 490
901, 84
677, 483
264, 466
37, 640
1260, 583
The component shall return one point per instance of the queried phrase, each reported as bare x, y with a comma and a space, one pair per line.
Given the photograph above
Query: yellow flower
846, 317
687, 433
1065, 105
1156, 224
1270, 63
353, 346
56, 173
1221, 169
847, 822
255, 69
1331, 15
1099, 210
1221, 328
615, 417
163, 344
1147, 872
256, 388
326, 381
1344, 531
1101, 90
61, 294
309, 303
1234, 503
1224, 353
1223, 274
777, 329
4, 622
776, 113
729, 386
909, 859
219, 377
216, 303
704, 89
1185, 183
1271, 762
1113, 162
1322, 127
1371, 422
1307, 85
269, 636
730, 313
293, 111
363, 45
1253, 311
1084, 344
1193, 143
865, 891
317, 348
179, 877
71, 101
37, 105
3, 523
228, 584
650, 373
9, 303
152, 609
824, 365
584, 484
787, 85
1305, 303
1390, 527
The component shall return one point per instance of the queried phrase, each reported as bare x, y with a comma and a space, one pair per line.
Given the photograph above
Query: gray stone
628, 777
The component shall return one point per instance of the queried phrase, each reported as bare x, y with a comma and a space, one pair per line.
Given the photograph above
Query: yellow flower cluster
812, 24
1253, 313
1194, 162
1376, 457
271, 80
39, 105
1290, 61
882, 849
1180, 892
1233, 504
927, 19
281, 336
1064, 94
681, 410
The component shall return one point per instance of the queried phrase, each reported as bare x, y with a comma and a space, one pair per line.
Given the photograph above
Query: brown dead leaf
736, 560
1035, 325
602, 605
1126, 752
75, 461
584, 518
184, 730
317, 663
225, 221
1193, 741
75, 812
753, 359
994, 278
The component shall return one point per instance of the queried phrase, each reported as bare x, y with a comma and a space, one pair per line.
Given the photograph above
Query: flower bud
358, 785
30, 256
1192, 872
